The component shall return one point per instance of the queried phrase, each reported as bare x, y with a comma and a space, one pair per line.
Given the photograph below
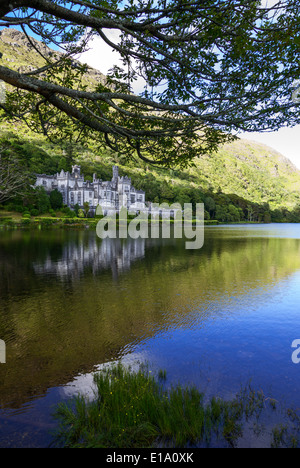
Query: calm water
218, 317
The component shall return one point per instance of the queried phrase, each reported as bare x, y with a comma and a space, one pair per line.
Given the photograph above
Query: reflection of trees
25, 258
57, 329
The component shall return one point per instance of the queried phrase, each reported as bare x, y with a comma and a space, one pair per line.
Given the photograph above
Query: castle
111, 196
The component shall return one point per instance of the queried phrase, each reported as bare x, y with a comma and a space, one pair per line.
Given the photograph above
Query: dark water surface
218, 317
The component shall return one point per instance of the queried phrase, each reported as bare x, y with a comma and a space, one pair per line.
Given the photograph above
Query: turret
76, 171
115, 178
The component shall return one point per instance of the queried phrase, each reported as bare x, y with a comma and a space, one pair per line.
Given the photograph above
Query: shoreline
79, 223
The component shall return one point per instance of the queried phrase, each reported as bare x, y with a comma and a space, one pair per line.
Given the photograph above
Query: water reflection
70, 302
76, 257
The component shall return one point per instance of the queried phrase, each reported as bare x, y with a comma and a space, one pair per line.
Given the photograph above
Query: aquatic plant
135, 409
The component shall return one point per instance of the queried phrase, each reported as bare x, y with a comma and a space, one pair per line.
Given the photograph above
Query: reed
136, 410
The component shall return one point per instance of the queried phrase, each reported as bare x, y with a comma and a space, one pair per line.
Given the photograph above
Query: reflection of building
95, 255
111, 196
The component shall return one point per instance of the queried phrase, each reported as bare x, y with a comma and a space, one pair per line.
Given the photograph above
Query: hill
242, 173
253, 171
19, 53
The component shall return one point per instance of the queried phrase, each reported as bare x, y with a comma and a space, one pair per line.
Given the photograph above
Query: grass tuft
133, 409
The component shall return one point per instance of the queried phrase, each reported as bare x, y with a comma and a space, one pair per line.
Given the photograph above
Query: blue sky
286, 141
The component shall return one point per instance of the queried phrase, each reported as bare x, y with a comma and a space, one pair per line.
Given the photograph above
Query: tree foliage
56, 200
86, 209
42, 200
13, 180
212, 68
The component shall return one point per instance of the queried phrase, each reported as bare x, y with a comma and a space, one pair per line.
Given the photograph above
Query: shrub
52, 213
46, 222
25, 221
56, 199
42, 202
15, 207
68, 212
34, 212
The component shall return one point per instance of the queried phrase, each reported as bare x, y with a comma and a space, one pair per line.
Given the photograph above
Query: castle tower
76, 171
115, 173
115, 178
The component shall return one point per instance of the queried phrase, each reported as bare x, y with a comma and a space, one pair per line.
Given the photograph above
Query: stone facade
111, 196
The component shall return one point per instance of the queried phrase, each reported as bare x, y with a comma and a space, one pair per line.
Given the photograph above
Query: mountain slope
17, 52
243, 168
253, 171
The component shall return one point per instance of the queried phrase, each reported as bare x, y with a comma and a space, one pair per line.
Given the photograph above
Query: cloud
269, 3
102, 57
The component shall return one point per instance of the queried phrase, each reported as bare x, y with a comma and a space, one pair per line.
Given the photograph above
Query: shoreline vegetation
136, 409
16, 221
60, 223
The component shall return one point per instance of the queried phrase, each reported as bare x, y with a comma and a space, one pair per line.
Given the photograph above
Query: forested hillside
243, 181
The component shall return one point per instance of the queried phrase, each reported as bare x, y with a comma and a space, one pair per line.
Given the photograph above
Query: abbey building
111, 196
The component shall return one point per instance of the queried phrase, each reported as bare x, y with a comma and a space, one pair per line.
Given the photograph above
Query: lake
219, 317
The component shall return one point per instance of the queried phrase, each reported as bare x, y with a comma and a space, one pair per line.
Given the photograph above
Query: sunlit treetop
212, 68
